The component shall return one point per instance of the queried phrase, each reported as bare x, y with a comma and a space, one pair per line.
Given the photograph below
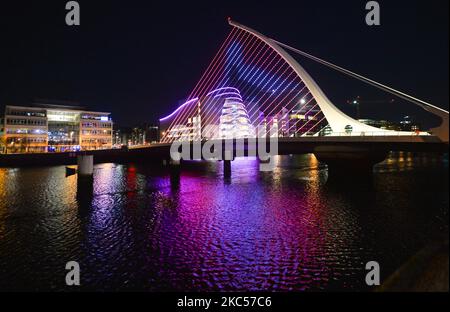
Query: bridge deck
301, 145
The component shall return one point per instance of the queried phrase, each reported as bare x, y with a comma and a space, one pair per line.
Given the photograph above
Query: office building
55, 128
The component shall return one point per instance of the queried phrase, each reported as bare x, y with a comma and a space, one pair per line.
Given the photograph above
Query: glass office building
55, 128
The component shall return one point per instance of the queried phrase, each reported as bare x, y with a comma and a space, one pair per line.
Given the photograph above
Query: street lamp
356, 103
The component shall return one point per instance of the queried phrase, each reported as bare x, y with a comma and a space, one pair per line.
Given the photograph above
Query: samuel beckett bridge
254, 89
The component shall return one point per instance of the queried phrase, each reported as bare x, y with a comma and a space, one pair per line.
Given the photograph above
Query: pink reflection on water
233, 235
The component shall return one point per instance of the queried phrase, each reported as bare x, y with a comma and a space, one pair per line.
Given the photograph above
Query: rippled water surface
291, 229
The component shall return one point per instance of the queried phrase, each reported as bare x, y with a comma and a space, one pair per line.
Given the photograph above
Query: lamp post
356, 103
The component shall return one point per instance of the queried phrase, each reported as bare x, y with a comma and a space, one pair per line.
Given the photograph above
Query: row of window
25, 140
95, 141
30, 122
57, 133
96, 132
96, 125
43, 122
60, 141
26, 149
25, 131
13, 112
63, 125
94, 117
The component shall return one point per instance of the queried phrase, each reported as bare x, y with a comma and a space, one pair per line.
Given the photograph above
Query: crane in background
358, 101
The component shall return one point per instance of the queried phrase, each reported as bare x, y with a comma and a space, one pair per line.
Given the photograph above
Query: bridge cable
423, 104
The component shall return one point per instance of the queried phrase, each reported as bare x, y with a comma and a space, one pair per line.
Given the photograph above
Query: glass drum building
225, 114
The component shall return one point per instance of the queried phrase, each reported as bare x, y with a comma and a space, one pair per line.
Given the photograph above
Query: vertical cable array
248, 71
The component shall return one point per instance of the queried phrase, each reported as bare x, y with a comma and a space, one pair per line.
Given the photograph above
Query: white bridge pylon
338, 121
254, 88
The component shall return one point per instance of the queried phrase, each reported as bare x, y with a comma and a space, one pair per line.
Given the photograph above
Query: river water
293, 229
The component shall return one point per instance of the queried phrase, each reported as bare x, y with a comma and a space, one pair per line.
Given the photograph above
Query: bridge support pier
228, 157
175, 170
227, 168
85, 165
85, 193
349, 162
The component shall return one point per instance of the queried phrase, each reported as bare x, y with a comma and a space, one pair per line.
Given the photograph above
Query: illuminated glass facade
220, 114
234, 121
55, 129
224, 114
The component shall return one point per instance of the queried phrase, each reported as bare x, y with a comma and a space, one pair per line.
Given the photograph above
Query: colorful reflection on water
293, 229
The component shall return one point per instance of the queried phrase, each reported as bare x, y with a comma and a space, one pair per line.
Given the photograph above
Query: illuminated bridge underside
252, 88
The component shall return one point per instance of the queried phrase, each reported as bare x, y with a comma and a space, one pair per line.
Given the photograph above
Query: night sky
139, 59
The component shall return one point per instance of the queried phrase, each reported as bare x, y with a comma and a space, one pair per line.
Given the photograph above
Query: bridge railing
378, 133
404, 134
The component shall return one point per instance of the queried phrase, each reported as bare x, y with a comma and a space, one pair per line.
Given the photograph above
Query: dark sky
138, 59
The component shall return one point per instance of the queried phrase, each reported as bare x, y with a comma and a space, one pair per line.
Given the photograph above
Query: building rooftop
37, 106
58, 106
